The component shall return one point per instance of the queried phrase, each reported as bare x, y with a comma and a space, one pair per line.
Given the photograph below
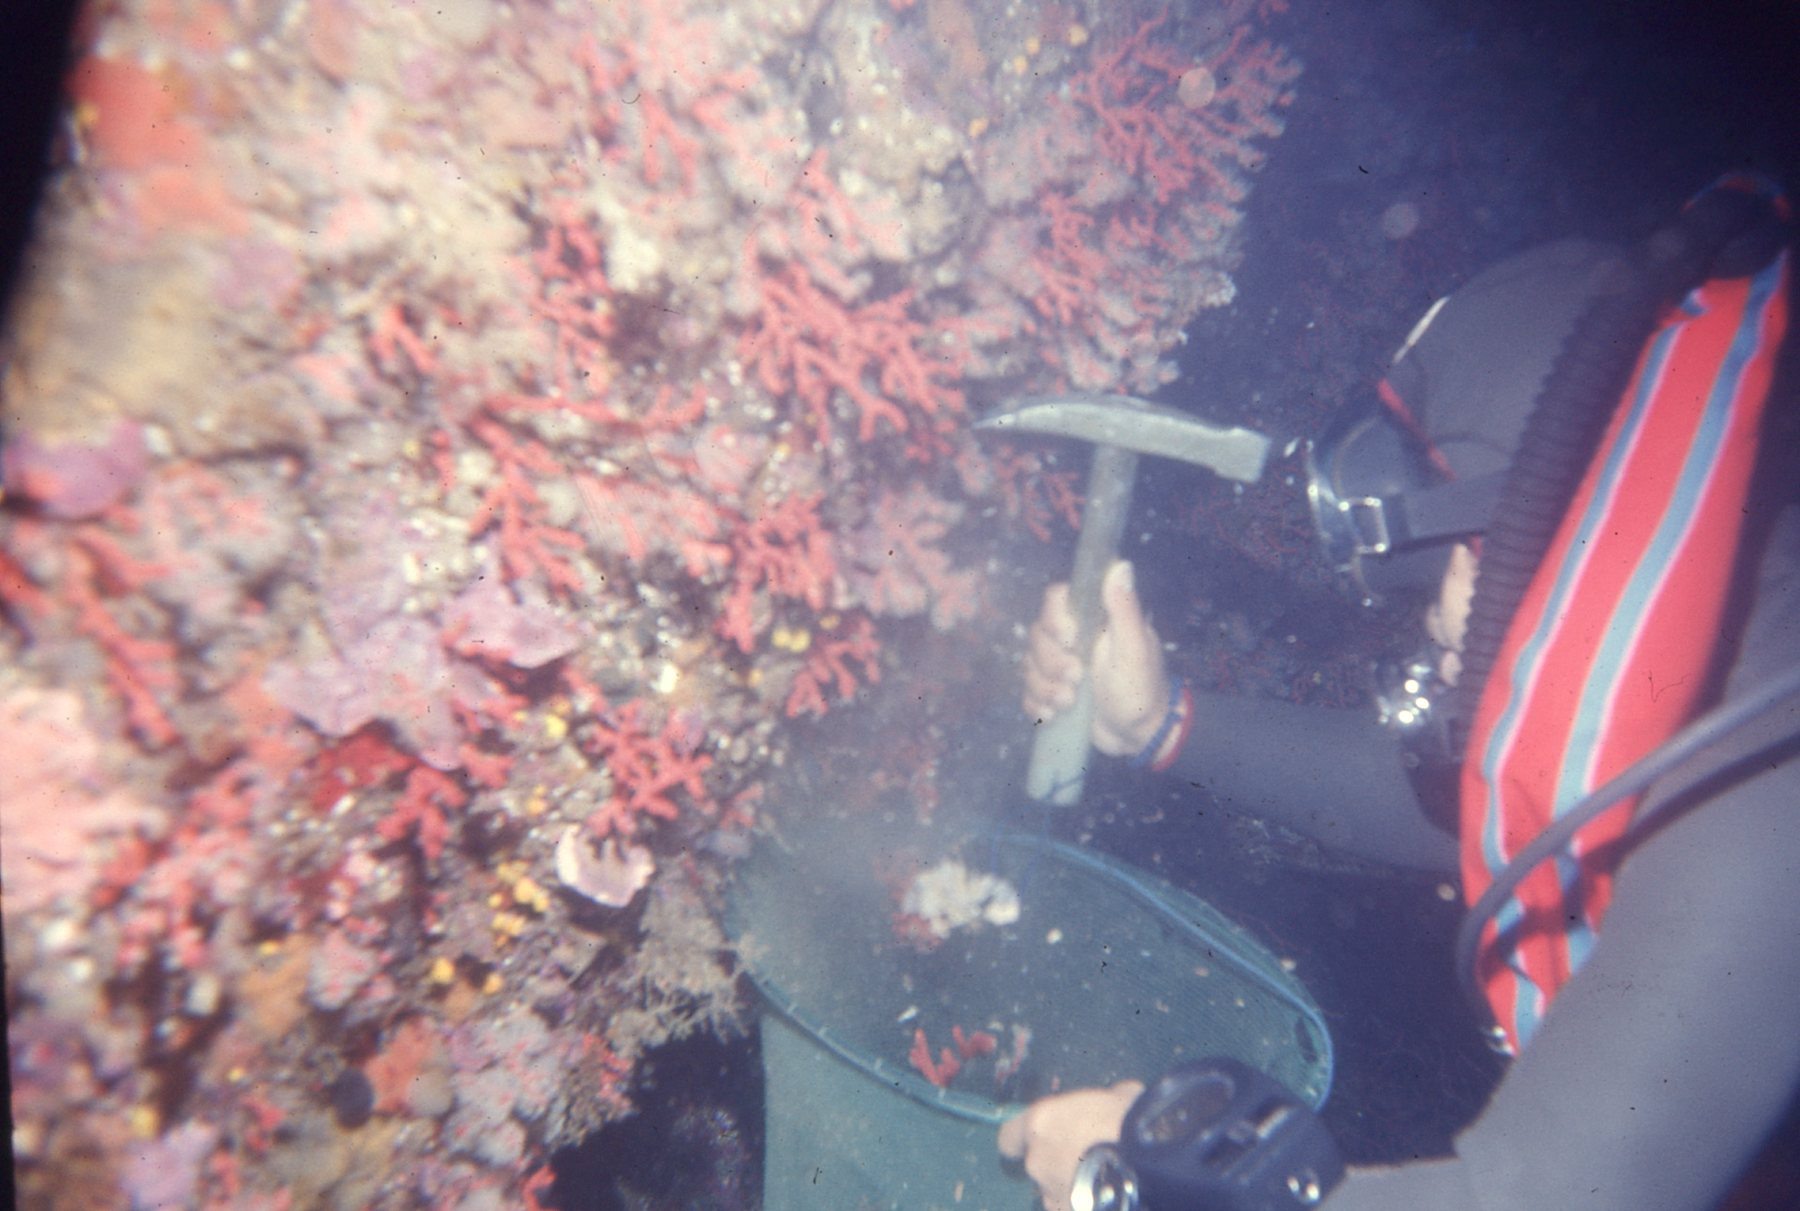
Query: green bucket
899, 1033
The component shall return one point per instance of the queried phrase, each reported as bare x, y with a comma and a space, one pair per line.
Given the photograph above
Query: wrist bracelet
1179, 710
1182, 731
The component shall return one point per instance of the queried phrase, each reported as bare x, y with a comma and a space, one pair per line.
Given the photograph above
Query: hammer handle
1061, 751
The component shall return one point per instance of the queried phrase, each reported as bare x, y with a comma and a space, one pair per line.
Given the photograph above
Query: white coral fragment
612, 877
950, 896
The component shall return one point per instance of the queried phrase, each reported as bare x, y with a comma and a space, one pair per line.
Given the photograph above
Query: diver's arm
1670, 1054
1334, 775
1666, 1059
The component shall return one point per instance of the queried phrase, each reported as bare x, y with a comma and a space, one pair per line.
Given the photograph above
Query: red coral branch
609, 1072
361, 760
140, 670
637, 519
529, 544
392, 334
939, 1072
972, 1045
18, 593
1034, 494
648, 769
895, 370
829, 663
538, 1183
420, 809
1148, 129
1070, 269
180, 881
571, 295
657, 93
782, 552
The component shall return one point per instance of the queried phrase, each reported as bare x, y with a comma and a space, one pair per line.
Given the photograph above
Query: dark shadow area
34, 53
696, 1140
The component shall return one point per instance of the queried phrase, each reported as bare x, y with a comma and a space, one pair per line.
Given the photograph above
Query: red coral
828, 663
572, 296
647, 124
832, 234
648, 768
1150, 129
1137, 170
420, 809
140, 669
180, 884
782, 552
895, 370
910, 929
1032, 493
973, 1045
637, 519
19, 595
393, 335
970, 1045
1070, 270
529, 544
262, 1118
939, 1072
607, 1072
538, 1183
364, 759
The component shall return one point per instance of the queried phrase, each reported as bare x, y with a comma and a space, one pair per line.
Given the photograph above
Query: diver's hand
1050, 1135
1131, 685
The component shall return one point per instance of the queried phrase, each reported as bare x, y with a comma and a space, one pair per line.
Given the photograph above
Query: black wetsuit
1666, 1059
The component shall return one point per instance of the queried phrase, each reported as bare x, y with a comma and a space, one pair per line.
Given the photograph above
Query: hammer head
1129, 423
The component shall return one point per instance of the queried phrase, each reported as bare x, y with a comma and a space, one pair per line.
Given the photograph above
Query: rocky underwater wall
446, 447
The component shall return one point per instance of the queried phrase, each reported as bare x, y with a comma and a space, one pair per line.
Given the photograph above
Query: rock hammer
1120, 427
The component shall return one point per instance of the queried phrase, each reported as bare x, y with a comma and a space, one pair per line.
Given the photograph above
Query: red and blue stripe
1615, 642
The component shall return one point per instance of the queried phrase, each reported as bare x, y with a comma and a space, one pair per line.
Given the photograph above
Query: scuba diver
1573, 464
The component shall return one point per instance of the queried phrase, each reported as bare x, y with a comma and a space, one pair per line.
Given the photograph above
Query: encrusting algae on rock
445, 447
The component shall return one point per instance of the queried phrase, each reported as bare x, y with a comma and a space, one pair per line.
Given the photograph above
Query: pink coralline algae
397, 671
164, 1175
340, 970
63, 817
513, 625
899, 564
71, 478
444, 453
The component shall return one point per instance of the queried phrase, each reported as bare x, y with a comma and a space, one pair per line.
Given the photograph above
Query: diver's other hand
1131, 686
1050, 1135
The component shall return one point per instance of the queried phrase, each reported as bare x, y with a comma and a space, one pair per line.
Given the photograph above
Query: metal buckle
1367, 516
